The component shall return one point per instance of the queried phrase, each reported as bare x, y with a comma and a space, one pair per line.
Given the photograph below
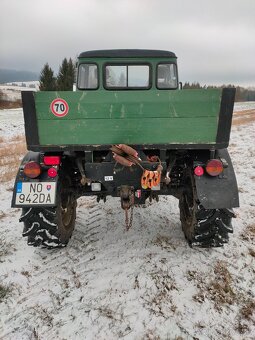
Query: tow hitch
127, 197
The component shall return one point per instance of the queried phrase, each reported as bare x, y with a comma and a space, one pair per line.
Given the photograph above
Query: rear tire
51, 227
202, 227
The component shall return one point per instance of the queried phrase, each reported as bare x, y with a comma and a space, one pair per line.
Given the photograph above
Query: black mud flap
218, 192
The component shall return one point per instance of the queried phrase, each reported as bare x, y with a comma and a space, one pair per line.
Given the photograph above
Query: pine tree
66, 75
47, 80
71, 73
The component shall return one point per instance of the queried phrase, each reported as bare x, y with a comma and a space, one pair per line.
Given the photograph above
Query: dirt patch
243, 117
5, 104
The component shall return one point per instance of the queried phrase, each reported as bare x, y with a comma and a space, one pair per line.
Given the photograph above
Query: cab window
87, 77
127, 76
167, 76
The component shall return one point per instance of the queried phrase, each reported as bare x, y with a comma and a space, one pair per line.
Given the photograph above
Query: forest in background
242, 94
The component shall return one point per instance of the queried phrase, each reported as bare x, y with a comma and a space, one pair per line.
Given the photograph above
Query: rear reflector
199, 171
52, 172
51, 160
214, 167
32, 170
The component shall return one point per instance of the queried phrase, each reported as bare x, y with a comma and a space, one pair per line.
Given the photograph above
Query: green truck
129, 131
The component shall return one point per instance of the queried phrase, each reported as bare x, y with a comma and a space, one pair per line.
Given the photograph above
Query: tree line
64, 79
242, 94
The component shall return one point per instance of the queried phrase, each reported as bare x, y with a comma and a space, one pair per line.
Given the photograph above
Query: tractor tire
202, 227
51, 227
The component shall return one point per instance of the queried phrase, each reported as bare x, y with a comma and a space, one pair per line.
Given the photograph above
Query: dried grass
248, 309
252, 252
11, 154
160, 302
249, 233
5, 104
218, 289
4, 292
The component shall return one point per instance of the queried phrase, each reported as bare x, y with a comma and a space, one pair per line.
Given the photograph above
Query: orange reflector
214, 167
51, 160
199, 171
32, 170
52, 172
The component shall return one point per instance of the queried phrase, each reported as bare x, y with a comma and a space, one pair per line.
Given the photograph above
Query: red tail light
51, 160
214, 167
199, 171
32, 169
52, 172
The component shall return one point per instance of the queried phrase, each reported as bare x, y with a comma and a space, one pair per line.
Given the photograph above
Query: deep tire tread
202, 227
40, 227
214, 231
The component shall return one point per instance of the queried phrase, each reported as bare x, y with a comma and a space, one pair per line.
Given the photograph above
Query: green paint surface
133, 117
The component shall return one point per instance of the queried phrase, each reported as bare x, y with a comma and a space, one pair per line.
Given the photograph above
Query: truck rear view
128, 131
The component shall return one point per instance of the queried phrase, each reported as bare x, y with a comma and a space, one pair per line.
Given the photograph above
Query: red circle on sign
59, 107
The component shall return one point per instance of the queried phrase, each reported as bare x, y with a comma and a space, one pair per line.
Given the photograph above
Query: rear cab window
127, 76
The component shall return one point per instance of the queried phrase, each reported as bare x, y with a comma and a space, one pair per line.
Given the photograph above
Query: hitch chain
127, 156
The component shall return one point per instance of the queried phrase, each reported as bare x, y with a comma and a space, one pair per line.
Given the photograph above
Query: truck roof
127, 53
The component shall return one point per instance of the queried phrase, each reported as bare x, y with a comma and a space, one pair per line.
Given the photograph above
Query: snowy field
12, 91
146, 283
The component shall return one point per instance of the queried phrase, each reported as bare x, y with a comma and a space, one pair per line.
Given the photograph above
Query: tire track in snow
67, 262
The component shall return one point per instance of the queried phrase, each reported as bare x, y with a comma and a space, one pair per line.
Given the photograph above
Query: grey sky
213, 39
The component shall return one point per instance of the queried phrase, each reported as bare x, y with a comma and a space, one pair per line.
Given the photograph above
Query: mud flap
218, 192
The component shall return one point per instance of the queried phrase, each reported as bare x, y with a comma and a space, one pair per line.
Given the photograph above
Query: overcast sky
213, 39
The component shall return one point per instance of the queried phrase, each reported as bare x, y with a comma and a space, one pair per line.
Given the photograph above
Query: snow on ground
146, 283
240, 106
12, 91
11, 123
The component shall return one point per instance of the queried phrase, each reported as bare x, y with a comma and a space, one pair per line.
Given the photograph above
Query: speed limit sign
59, 107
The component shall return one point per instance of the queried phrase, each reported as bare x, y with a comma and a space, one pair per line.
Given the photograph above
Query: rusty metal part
118, 151
128, 150
122, 160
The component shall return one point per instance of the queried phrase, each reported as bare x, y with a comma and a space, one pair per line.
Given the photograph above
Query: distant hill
8, 76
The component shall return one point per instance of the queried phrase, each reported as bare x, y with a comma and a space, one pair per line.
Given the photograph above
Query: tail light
51, 160
32, 169
52, 172
214, 167
199, 171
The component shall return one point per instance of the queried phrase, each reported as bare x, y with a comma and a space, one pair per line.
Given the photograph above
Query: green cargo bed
178, 119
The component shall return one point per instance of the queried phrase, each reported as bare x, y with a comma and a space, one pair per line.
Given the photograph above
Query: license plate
36, 193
